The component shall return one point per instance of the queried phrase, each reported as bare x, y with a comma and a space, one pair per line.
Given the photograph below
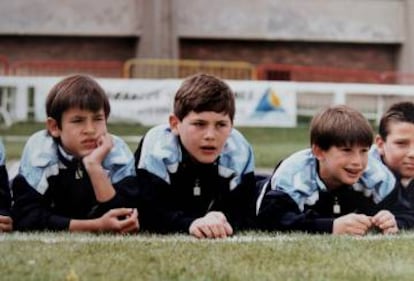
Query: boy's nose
90, 128
359, 159
411, 151
210, 133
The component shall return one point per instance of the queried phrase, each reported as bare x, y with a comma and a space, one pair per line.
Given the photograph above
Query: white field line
49, 238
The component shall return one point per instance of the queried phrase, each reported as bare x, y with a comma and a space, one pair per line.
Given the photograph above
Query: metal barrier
391, 77
66, 67
170, 69
283, 72
4, 65
165, 68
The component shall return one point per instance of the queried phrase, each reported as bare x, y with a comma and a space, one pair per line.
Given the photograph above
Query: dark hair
204, 92
76, 91
340, 125
398, 112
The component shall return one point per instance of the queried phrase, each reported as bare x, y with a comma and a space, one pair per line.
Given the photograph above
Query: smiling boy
197, 171
75, 175
334, 187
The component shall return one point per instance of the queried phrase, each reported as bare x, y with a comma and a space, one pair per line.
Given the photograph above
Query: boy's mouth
208, 149
409, 165
407, 169
89, 143
353, 172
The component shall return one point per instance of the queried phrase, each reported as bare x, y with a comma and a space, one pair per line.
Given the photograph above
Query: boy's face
203, 134
398, 149
340, 166
79, 130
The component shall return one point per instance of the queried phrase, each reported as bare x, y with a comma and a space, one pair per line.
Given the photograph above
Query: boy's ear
318, 152
52, 127
174, 121
379, 142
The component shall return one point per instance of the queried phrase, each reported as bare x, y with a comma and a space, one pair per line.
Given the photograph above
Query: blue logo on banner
269, 102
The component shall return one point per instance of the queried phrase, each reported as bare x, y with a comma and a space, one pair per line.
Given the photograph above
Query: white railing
258, 103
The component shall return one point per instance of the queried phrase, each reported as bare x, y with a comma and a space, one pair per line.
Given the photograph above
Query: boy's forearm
92, 225
101, 183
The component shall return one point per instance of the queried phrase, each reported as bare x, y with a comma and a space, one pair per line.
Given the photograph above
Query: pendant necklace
197, 188
336, 206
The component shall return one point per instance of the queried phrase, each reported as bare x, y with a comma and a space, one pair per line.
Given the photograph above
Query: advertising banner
149, 102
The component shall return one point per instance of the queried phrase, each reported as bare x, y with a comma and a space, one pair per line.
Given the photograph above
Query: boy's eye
198, 124
76, 120
401, 143
222, 125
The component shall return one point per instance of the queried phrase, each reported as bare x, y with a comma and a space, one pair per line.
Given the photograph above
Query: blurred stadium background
359, 52
368, 41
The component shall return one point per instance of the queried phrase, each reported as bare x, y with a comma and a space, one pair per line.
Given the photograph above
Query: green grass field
249, 256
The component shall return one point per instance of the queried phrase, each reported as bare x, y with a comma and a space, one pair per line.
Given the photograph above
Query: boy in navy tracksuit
76, 176
395, 145
334, 187
6, 222
198, 170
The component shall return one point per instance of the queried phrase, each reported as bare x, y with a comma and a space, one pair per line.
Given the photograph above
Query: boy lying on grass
335, 186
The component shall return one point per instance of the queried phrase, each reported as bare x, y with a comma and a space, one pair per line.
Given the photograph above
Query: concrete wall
406, 54
71, 17
371, 30
373, 21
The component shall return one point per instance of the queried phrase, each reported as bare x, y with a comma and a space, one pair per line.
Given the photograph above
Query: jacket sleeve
279, 212
30, 211
400, 207
5, 197
156, 212
241, 205
126, 196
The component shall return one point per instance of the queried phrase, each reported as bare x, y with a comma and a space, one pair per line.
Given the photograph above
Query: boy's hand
6, 224
355, 224
212, 225
104, 145
385, 221
111, 220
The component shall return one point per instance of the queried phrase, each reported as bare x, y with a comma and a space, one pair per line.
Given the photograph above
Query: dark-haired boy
199, 170
395, 145
75, 175
334, 187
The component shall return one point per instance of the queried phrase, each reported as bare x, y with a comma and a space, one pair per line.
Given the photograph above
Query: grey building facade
360, 34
